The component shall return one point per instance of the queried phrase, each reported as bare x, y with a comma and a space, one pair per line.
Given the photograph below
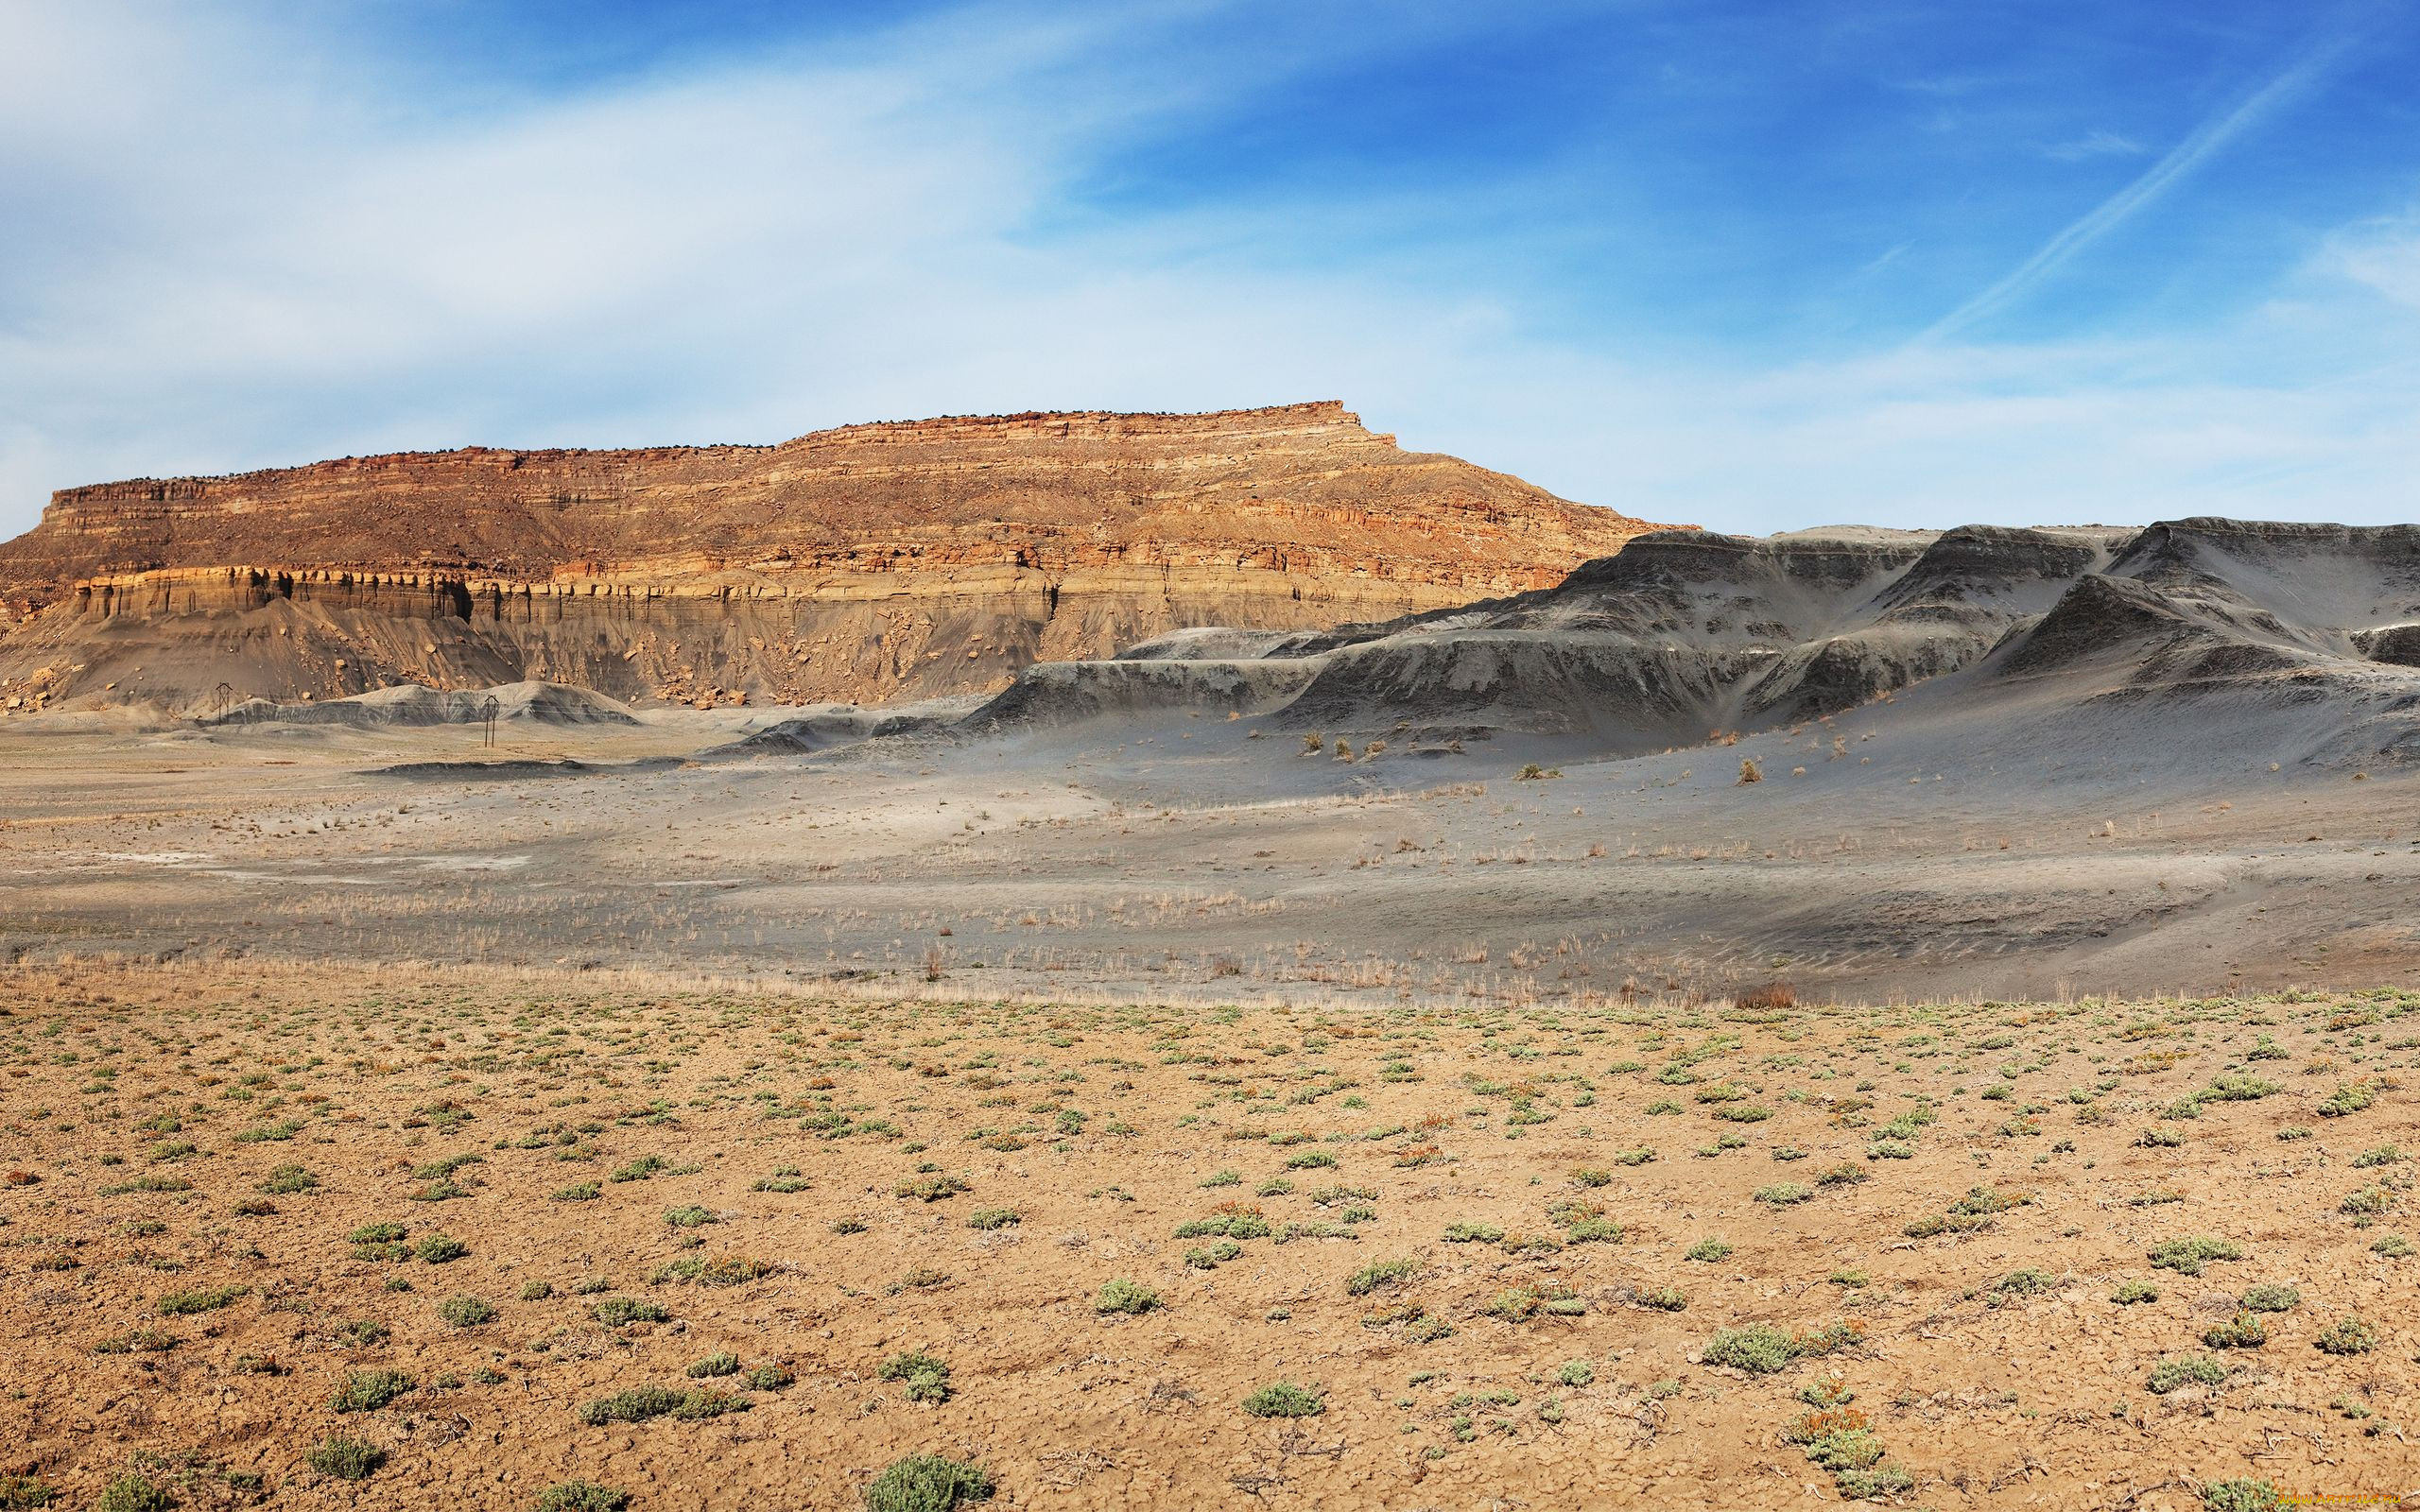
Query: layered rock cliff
867, 564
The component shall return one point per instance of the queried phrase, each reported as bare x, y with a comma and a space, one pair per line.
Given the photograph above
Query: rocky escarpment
869, 563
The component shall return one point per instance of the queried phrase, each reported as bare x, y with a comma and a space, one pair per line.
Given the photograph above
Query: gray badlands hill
1686, 635
542, 703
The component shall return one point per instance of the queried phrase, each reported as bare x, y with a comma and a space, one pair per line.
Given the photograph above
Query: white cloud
2382, 255
262, 249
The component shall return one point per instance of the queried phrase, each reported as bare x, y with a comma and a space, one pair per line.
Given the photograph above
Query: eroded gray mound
1215, 643
545, 703
821, 731
1689, 632
1054, 694
510, 770
1684, 634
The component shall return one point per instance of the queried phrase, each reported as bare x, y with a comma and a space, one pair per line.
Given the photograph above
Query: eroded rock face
867, 564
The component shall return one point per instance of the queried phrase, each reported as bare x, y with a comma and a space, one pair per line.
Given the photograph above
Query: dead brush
1811, 1425
1771, 995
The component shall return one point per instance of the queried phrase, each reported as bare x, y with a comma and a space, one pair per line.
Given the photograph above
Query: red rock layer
869, 562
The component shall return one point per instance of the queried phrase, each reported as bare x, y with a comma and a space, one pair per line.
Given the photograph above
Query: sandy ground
1206, 859
1932, 1211
2064, 991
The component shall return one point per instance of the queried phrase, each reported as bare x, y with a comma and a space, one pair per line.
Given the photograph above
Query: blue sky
1753, 265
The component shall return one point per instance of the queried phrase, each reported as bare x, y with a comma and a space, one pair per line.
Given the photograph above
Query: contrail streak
2207, 140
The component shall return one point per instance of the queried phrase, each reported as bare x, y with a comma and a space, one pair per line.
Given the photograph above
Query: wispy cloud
2095, 144
223, 258
2211, 138
2384, 255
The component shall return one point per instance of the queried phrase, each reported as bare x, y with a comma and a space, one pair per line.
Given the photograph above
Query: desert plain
1167, 1112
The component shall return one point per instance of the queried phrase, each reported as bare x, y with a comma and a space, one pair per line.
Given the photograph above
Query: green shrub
466, 1312
577, 1192
2240, 1496
2184, 1370
1758, 1349
927, 1375
1370, 1278
2366, 1203
1829, 1338
1665, 1299
2025, 1282
439, 1248
2242, 1332
640, 1403
1286, 1399
2349, 1097
1881, 1480
692, 1216
1844, 1450
616, 1311
2130, 1293
147, 1183
208, 1299
2350, 1336
2271, 1299
580, 1496
347, 1459
1708, 1250
2186, 1256
990, 1219
1785, 1194
133, 1493
1576, 1373
368, 1390
635, 1405
928, 1483
1121, 1296
288, 1180
714, 1365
